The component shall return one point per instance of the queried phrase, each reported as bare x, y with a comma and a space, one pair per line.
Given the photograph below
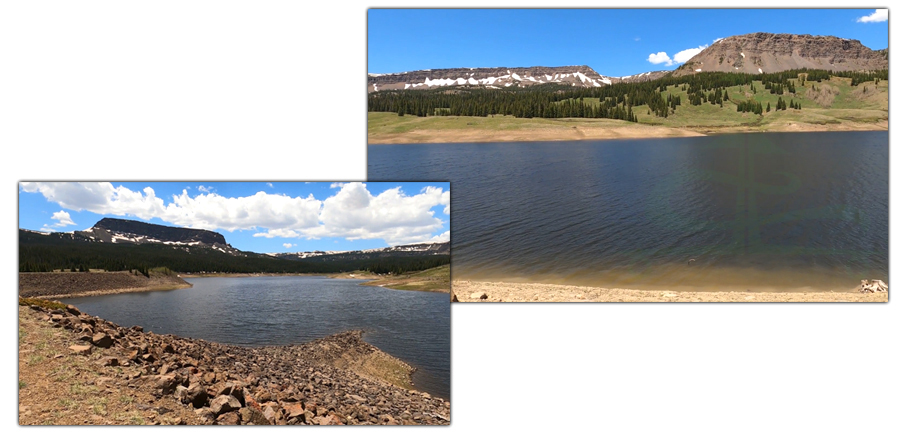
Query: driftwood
872, 286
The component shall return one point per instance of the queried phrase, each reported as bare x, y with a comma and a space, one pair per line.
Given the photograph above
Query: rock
108, 361
250, 415
205, 415
166, 384
196, 395
137, 329
73, 310
81, 349
232, 418
223, 404
102, 340
293, 410
454, 300
478, 296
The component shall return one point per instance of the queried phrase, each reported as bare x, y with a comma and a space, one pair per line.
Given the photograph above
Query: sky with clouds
614, 42
262, 217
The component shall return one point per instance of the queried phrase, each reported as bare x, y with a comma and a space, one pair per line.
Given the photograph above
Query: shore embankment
60, 285
473, 291
79, 369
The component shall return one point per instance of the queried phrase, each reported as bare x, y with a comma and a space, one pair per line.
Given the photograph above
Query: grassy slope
850, 108
431, 280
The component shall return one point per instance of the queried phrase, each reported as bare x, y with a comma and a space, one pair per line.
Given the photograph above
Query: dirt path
524, 292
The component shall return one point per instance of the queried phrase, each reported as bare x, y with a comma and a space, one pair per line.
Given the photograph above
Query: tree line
611, 101
46, 253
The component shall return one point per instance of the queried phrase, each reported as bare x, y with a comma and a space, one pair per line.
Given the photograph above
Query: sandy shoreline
605, 132
545, 293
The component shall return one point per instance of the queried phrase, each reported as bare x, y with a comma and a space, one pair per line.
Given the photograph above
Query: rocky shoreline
337, 380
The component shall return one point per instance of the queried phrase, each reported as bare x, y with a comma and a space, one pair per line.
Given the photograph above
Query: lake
282, 310
759, 212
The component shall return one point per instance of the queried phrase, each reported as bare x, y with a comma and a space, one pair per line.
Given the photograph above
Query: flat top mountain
112, 230
770, 53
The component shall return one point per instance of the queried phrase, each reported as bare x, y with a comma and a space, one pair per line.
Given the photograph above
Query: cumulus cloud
100, 198
352, 212
658, 58
880, 15
288, 245
679, 57
62, 219
202, 188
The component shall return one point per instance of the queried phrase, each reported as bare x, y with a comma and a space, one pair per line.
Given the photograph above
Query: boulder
166, 383
478, 296
108, 361
81, 349
250, 415
232, 418
224, 404
102, 340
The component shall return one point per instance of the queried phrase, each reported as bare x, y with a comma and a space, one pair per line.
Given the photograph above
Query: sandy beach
470, 291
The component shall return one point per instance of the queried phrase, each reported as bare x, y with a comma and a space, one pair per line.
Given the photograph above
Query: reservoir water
760, 212
262, 311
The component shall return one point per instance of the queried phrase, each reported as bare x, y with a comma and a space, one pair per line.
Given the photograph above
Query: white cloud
880, 15
684, 55
717, 39
679, 58
659, 58
288, 245
202, 188
443, 237
637, 39
270, 185
352, 212
100, 198
63, 219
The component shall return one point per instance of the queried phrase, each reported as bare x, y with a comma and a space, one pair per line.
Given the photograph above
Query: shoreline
65, 285
605, 132
335, 380
470, 291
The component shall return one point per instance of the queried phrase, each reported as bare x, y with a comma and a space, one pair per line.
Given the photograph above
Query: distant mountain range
748, 53
106, 245
500, 77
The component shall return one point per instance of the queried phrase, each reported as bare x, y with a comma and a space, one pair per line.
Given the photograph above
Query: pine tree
768, 107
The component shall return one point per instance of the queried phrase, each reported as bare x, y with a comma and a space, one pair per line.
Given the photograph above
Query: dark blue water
260, 311
763, 211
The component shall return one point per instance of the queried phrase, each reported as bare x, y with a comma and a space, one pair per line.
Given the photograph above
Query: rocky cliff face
120, 231
769, 53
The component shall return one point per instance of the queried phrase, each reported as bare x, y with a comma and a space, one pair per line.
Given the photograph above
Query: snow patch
742, 54
699, 69
760, 70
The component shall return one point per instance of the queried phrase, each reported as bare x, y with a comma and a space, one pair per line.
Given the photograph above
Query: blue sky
614, 42
262, 217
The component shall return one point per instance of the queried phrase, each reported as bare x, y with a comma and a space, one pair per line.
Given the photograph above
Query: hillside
772, 53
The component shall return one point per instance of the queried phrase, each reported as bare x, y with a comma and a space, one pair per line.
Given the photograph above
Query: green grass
849, 105
21, 384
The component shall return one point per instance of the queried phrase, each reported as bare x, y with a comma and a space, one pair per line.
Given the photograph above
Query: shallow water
259, 311
765, 211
